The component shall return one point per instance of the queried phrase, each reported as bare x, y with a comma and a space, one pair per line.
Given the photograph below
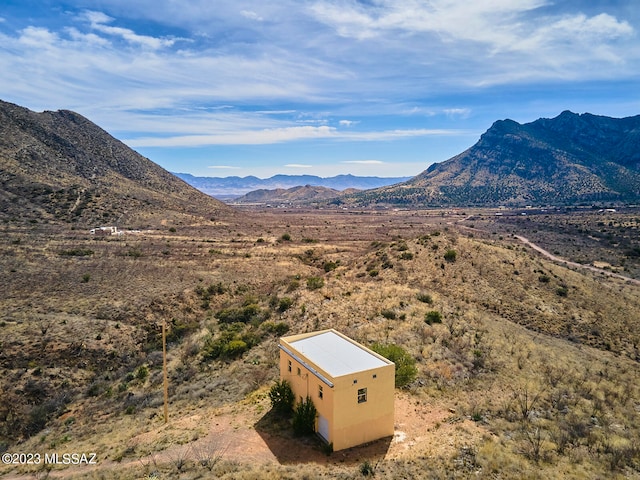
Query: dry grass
533, 378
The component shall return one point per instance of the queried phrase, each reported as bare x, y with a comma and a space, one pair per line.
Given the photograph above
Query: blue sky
322, 87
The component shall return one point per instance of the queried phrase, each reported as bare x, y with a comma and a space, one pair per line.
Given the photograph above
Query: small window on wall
289, 365
299, 371
362, 395
320, 393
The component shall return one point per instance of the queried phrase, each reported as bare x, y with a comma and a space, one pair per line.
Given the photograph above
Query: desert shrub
314, 283
406, 256
279, 328
246, 314
544, 279
142, 372
178, 329
234, 339
329, 266
95, 389
222, 347
402, 247
294, 284
206, 293
366, 469
286, 237
284, 304
282, 397
450, 255
424, 298
304, 417
432, 317
562, 291
133, 252
76, 252
236, 348
406, 370
389, 314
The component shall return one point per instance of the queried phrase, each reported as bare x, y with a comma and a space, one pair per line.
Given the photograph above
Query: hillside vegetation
526, 369
60, 167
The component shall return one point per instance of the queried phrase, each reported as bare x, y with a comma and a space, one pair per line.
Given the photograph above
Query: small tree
282, 397
406, 370
314, 283
434, 316
450, 255
304, 417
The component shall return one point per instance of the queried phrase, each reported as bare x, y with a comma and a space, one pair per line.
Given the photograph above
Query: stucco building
351, 386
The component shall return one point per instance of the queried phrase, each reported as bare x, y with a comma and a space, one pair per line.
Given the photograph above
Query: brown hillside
60, 167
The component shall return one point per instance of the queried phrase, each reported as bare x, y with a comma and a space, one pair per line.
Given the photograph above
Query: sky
320, 87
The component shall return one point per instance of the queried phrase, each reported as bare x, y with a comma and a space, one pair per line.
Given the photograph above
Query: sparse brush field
525, 368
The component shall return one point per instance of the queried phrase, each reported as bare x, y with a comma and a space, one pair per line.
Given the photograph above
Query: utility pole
164, 368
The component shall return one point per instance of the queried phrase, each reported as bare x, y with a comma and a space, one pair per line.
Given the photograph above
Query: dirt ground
421, 428
425, 429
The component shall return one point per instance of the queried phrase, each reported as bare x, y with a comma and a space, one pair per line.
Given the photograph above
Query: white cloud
457, 112
347, 123
239, 137
297, 165
279, 135
99, 21
251, 15
38, 37
491, 39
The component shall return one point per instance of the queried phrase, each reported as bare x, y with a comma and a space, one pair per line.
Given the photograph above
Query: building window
375, 376
320, 394
362, 395
289, 366
298, 371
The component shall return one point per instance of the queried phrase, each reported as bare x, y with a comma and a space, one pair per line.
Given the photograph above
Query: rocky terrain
568, 160
523, 361
59, 166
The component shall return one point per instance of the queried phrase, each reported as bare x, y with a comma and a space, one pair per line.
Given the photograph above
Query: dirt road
557, 259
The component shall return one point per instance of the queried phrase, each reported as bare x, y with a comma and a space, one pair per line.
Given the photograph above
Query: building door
323, 428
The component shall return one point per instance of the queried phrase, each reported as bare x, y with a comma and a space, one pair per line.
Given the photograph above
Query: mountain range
59, 166
229, 187
569, 159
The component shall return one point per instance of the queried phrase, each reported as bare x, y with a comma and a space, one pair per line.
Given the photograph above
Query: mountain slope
565, 160
295, 195
59, 166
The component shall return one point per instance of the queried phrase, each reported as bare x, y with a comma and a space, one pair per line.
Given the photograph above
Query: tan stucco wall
350, 423
356, 423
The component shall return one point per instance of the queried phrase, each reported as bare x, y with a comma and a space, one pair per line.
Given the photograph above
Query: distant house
351, 386
105, 231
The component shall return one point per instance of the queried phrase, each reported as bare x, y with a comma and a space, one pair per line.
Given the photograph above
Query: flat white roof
336, 355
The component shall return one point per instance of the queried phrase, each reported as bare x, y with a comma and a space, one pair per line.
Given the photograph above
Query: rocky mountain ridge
59, 166
570, 159
304, 194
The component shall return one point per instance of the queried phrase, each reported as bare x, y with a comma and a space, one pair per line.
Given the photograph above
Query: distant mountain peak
226, 187
570, 159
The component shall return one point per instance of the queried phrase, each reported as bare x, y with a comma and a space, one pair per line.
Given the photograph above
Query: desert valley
518, 317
